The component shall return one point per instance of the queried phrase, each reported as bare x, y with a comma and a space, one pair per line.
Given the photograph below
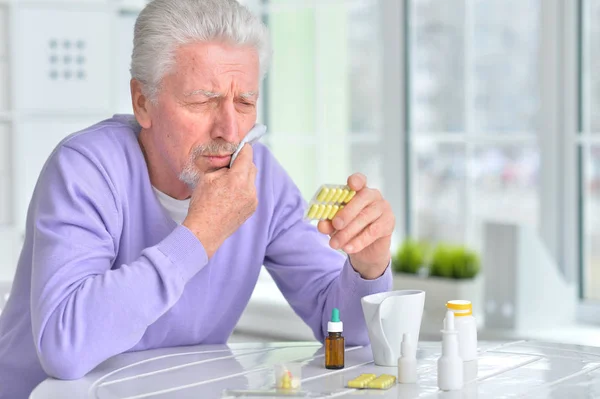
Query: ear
141, 105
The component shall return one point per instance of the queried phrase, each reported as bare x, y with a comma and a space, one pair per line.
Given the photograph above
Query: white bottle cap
335, 324
449, 321
407, 348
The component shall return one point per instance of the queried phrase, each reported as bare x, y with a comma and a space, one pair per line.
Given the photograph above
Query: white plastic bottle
450, 365
407, 362
466, 326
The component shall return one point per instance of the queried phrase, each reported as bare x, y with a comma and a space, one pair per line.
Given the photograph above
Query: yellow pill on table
319, 214
313, 211
323, 194
384, 381
334, 210
350, 195
361, 381
360, 384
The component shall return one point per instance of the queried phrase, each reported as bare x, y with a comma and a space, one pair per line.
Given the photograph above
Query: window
322, 104
473, 103
321, 100
589, 150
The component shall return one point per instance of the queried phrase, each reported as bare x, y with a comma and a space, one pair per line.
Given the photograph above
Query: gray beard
190, 175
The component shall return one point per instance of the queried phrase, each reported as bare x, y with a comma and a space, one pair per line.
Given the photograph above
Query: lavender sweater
105, 270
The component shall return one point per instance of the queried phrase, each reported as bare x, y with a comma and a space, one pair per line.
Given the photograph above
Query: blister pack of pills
370, 381
328, 201
361, 381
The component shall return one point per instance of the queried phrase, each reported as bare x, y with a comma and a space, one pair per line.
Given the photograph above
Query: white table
504, 369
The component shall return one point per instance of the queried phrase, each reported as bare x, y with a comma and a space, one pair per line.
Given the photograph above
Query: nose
225, 126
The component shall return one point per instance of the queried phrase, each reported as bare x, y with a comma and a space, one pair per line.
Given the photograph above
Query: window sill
269, 316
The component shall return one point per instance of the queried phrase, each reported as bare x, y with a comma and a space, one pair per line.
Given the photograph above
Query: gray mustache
214, 148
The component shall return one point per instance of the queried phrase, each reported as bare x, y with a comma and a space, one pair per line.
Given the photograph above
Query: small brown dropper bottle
334, 343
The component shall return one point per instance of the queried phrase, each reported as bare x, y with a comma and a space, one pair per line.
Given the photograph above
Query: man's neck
160, 177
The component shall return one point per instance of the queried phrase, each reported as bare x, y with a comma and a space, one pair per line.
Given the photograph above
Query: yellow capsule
327, 211
356, 384
320, 212
384, 381
338, 193
345, 193
361, 381
331, 194
313, 211
334, 210
350, 195
323, 194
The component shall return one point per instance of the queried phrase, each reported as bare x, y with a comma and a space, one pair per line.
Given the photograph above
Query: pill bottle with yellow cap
467, 328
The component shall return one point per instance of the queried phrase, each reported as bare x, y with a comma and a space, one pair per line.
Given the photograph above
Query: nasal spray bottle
450, 365
466, 327
407, 363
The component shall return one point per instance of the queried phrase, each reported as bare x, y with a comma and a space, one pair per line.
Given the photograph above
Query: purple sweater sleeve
84, 312
313, 277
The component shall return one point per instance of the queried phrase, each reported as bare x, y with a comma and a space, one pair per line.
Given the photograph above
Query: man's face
206, 106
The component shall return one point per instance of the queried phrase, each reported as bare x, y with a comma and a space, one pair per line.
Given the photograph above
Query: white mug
388, 316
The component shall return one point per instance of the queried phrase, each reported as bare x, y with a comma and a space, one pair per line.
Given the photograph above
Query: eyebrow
248, 94
212, 94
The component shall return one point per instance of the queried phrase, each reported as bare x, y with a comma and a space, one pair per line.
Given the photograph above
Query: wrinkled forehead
216, 65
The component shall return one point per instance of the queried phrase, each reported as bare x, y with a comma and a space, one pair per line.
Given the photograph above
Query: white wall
4, 126
63, 66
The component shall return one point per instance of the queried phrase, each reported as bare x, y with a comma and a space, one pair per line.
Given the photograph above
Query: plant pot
439, 290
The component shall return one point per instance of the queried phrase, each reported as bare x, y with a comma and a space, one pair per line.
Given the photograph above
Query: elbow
62, 368
62, 363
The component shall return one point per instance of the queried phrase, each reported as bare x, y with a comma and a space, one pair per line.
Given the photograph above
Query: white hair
164, 25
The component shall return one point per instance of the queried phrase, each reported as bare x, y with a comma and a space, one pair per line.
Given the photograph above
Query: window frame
560, 141
582, 139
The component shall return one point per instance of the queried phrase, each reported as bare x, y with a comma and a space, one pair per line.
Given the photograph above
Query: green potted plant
445, 272
456, 262
410, 257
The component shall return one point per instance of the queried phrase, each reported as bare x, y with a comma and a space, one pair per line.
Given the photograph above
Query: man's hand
363, 229
222, 201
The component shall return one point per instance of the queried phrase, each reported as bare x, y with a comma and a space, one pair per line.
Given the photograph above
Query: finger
325, 227
252, 174
365, 217
373, 232
244, 158
212, 175
357, 181
361, 200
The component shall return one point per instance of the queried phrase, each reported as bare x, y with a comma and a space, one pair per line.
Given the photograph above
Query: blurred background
471, 116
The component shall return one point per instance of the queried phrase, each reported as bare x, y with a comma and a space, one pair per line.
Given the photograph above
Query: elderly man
140, 235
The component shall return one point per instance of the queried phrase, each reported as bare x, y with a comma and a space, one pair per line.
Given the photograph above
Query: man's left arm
314, 277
